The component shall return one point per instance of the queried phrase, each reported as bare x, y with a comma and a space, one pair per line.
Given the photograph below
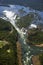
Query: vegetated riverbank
35, 37
8, 52
35, 60
19, 53
38, 59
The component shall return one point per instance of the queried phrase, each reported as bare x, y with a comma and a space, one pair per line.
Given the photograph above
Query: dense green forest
35, 36
41, 58
8, 39
25, 20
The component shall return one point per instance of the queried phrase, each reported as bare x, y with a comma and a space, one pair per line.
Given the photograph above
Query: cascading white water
10, 13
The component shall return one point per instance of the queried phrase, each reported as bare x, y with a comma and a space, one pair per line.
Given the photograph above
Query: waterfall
10, 14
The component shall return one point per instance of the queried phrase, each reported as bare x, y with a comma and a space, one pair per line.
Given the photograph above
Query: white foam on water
10, 13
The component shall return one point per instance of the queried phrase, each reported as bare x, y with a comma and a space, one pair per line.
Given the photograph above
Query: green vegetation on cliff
25, 20
8, 39
35, 36
41, 58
